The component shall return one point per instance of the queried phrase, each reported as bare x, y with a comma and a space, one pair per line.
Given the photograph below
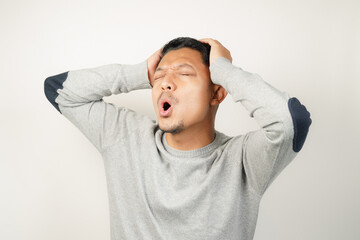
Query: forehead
181, 58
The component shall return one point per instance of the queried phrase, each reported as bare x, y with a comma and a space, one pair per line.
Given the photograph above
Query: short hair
182, 42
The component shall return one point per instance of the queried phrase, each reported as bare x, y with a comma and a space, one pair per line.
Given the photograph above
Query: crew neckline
204, 151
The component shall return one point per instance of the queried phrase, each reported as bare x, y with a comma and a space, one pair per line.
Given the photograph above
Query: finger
158, 52
211, 41
207, 40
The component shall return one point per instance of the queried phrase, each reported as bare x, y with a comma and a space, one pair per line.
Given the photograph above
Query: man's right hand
152, 63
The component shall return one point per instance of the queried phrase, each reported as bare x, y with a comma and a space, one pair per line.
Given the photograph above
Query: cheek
196, 100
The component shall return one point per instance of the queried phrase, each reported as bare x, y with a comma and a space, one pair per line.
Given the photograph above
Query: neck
190, 140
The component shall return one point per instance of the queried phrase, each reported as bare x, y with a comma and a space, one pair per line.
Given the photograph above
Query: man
178, 177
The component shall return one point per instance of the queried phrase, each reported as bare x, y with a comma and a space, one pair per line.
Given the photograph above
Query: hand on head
152, 63
217, 49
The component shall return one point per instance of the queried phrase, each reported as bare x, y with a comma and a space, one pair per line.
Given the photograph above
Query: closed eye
157, 78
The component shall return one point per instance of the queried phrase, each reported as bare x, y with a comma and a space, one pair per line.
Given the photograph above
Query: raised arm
78, 95
284, 121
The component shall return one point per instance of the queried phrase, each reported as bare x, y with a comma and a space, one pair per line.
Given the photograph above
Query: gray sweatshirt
158, 192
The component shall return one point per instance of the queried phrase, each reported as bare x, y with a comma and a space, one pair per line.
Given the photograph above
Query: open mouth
165, 109
166, 106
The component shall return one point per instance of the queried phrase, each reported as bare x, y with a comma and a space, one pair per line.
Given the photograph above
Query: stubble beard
176, 128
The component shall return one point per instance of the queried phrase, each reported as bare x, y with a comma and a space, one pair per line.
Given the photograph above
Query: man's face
182, 91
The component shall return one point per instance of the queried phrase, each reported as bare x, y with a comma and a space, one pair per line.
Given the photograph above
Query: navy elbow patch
51, 85
301, 120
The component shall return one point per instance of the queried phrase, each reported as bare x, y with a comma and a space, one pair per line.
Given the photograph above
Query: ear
219, 94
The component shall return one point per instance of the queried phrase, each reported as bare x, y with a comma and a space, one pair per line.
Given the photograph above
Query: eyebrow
182, 65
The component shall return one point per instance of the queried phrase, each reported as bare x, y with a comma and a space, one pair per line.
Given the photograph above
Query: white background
52, 180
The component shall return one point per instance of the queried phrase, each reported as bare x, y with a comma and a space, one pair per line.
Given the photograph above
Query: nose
168, 83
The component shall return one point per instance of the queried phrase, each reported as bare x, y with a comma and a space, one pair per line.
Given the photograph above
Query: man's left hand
217, 49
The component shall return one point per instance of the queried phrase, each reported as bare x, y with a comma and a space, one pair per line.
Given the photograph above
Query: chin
177, 128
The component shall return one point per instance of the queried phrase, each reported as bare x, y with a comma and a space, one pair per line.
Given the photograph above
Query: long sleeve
78, 94
284, 123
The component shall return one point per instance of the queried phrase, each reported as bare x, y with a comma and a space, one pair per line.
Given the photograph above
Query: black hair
182, 42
